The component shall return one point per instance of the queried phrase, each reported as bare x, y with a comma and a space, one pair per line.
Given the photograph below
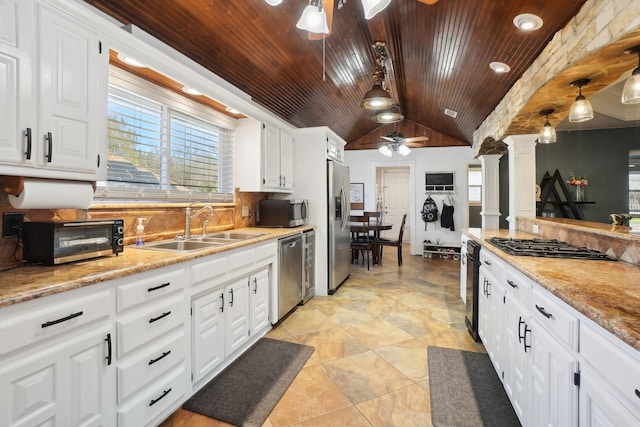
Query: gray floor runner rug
246, 391
466, 391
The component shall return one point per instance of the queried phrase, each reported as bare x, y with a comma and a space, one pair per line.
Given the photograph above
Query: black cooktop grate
546, 248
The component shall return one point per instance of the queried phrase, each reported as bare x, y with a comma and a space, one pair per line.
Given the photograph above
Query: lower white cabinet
517, 348
600, 407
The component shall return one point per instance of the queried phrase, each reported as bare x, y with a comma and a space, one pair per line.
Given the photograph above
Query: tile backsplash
162, 221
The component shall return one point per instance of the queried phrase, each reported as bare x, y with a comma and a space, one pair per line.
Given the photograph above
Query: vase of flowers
580, 185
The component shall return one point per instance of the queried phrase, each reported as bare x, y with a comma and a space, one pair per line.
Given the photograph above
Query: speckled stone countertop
607, 292
28, 282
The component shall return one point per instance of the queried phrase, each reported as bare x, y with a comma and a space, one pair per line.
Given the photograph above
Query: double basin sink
199, 243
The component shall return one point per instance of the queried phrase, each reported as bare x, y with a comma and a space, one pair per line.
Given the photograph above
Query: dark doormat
245, 392
466, 391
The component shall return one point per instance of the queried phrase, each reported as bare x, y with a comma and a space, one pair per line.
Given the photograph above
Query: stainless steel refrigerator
339, 240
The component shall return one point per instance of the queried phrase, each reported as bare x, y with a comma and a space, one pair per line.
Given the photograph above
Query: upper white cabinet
264, 157
53, 92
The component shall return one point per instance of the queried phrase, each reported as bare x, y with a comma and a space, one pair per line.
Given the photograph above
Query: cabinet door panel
86, 373
271, 157
599, 407
208, 333
286, 160
259, 289
236, 316
518, 358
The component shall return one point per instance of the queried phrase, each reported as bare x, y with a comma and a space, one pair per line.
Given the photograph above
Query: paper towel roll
53, 194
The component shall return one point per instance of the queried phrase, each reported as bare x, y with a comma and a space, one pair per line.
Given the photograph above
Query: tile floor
369, 367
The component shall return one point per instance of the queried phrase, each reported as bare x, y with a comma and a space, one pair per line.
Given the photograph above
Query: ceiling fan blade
390, 139
428, 1
415, 139
414, 144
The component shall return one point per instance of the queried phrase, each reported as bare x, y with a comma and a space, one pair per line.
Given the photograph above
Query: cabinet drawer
157, 285
616, 362
238, 260
518, 285
555, 318
492, 263
215, 268
42, 321
148, 324
152, 401
153, 361
266, 251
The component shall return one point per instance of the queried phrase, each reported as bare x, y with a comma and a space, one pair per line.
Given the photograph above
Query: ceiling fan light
314, 19
385, 151
631, 91
273, 2
389, 115
377, 99
404, 150
373, 7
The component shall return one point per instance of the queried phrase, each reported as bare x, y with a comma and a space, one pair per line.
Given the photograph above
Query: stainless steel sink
233, 235
180, 245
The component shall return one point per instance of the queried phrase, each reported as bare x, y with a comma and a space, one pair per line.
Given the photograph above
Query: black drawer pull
526, 330
231, 301
155, 319
520, 323
155, 288
222, 302
513, 285
487, 262
27, 133
63, 319
49, 139
544, 312
637, 392
164, 393
165, 354
108, 340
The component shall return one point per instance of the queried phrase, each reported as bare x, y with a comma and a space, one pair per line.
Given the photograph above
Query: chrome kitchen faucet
188, 217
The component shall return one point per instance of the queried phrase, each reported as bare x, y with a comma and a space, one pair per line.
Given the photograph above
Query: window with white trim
162, 146
475, 185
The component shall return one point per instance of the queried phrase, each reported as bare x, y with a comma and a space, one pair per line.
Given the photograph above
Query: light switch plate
11, 223
245, 211
535, 228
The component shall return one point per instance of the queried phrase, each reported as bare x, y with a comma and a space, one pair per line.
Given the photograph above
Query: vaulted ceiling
439, 57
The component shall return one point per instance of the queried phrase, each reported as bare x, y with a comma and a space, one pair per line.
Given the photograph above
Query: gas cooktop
546, 248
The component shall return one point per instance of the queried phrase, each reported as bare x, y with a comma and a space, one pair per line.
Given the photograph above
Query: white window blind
156, 151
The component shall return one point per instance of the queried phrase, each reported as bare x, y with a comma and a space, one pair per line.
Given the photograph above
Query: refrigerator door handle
343, 202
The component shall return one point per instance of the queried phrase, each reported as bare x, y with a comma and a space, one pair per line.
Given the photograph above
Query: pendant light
273, 2
314, 18
548, 133
389, 115
385, 151
372, 7
581, 109
404, 150
631, 91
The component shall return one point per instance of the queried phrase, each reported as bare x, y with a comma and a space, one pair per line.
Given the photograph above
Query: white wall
434, 159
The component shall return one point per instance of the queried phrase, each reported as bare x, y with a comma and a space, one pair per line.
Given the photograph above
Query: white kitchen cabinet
208, 333
599, 406
57, 360
463, 267
259, 301
517, 348
236, 328
53, 96
264, 156
491, 309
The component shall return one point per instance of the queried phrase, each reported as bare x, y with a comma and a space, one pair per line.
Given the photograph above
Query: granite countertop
28, 282
607, 292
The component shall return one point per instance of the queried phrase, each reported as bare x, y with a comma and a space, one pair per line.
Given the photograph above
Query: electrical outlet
535, 228
245, 211
11, 223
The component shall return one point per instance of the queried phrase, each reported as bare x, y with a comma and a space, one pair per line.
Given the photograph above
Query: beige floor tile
364, 376
347, 314
407, 407
332, 344
348, 417
377, 333
305, 321
311, 394
417, 300
409, 357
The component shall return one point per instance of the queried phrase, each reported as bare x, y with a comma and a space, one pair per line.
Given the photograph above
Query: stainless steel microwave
282, 213
57, 242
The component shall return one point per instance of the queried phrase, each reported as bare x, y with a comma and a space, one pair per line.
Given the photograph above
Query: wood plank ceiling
439, 57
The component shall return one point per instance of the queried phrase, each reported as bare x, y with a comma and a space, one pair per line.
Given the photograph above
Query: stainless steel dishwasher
290, 274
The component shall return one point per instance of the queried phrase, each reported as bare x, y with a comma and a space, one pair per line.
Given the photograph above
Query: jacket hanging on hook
446, 219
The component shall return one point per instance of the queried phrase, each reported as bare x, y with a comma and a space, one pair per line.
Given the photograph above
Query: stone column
522, 177
490, 190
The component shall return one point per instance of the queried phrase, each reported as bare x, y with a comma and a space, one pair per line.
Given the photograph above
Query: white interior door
396, 199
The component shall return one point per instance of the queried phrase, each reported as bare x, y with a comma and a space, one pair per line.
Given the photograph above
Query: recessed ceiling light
232, 110
528, 22
130, 61
191, 91
499, 67
450, 113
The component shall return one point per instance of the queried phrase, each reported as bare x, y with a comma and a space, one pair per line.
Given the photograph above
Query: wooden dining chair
361, 243
390, 242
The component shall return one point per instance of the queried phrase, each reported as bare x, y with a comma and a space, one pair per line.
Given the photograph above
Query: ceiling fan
396, 141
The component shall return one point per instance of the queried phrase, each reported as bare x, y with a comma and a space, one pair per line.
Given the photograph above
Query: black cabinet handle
488, 289
49, 139
108, 340
513, 285
163, 315
231, 300
544, 312
164, 393
255, 285
63, 319
222, 302
526, 330
165, 354
27, 133
637, 392
487, 262
520, 323
155, 288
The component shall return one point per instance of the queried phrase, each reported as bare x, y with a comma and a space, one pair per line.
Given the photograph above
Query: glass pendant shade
404, 150
372, 7
581, 110
377, 99
389, 115
631, 91
314, 20
385, 151
273, 2
547, 134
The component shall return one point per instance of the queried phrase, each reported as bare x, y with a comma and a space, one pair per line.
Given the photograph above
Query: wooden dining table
376, 227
